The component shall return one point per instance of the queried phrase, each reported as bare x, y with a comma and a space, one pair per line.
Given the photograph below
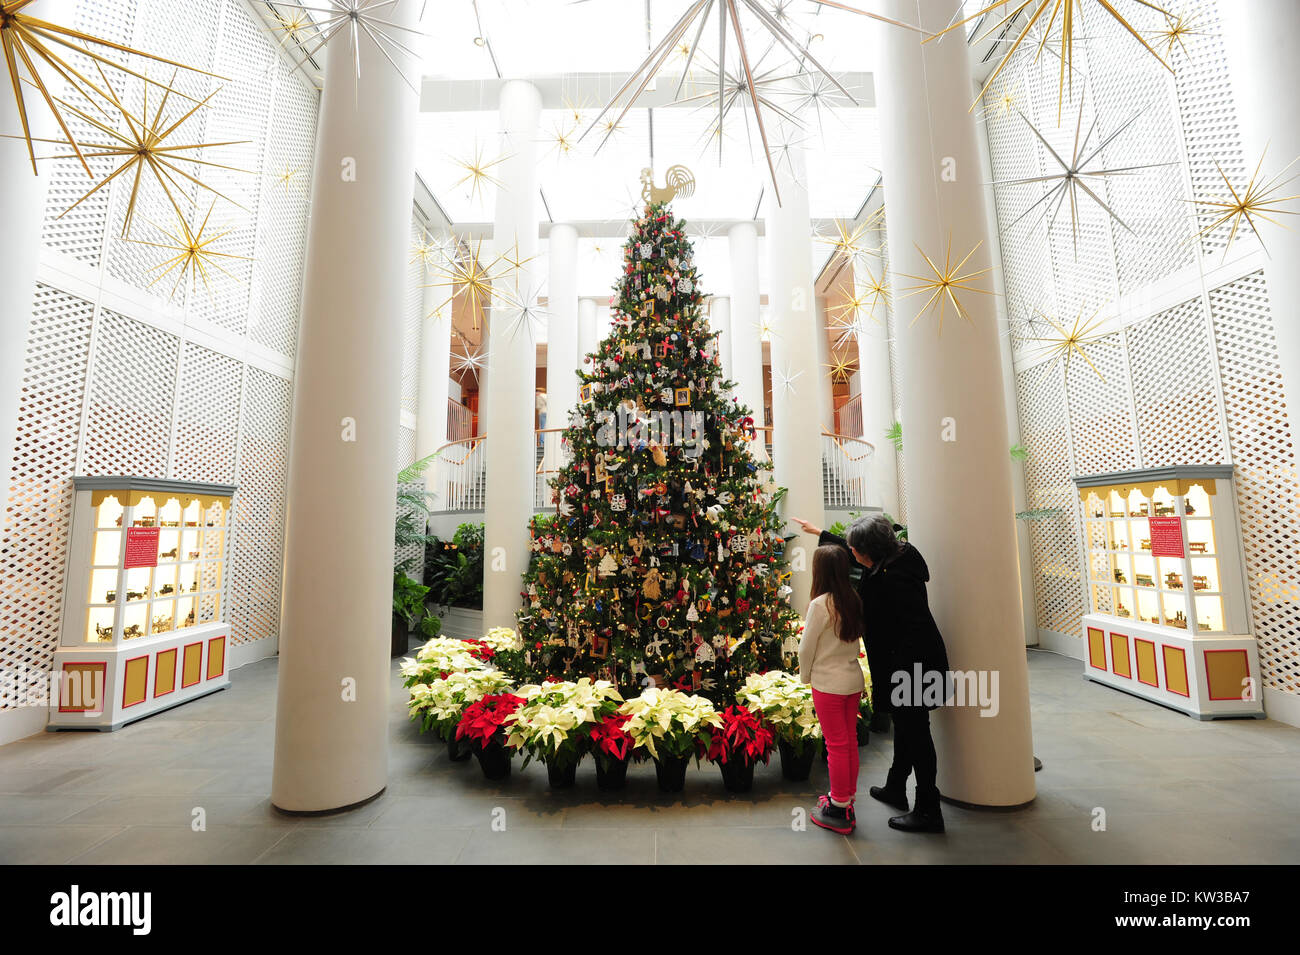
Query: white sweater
826, 661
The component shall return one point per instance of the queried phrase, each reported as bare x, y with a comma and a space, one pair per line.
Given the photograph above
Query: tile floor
1175, 790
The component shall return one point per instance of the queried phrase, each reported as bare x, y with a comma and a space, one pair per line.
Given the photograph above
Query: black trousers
914, 753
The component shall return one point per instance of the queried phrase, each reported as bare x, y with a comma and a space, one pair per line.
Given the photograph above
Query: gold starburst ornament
1257, 200
944, 284
193, 254
1074, 341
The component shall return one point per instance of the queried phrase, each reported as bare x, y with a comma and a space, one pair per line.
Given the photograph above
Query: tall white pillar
23, 193
588, 337
746, 338
797, 375
720, 322
562, 359
512, 366
825, 398
959, 487
877, 399
1264, 74
435, 369
331, 727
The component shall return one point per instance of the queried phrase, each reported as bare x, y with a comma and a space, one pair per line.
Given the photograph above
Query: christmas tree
664, 562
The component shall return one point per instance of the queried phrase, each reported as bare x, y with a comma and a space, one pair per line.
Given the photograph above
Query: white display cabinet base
104, 688
1208, 677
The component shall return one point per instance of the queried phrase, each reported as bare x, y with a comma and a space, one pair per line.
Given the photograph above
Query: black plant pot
494, 760
737, 775
562, 777
671, 773
401, 636
457, 750
611, 774
864, 732
797, 768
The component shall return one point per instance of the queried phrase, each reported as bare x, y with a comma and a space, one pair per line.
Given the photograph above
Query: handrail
472, 440
839, 440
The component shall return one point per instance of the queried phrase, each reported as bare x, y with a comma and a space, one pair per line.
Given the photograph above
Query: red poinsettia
484, 718
480, 650
609, 738
743, 734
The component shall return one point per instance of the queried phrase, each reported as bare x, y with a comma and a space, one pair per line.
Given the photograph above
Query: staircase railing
459, 481
552, 456
846, 470
460, 421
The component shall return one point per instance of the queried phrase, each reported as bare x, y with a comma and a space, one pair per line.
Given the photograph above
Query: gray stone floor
1175, 790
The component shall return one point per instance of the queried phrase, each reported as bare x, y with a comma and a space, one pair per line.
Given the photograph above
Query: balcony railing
460, 482
460, 421
848, 417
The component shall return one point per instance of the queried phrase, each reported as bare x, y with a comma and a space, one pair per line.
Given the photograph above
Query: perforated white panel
1053, 542
34, 552
207, 416
1101, 409
1263, 450
1175, 389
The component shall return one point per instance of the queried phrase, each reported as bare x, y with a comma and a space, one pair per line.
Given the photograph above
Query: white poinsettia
440, 655
669, 718
786, 702
503, 638
556, 717
447, 698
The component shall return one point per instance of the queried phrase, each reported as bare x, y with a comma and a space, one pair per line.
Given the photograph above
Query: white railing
848, 417
846, 470
460, 421
552, 455
459, 479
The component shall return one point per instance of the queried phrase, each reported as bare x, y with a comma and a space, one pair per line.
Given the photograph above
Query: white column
720, 322
331, 728
512, 361
562, 359
959, 487
877, 399
796, 371
746, 339
587, 331
23, 193
1258, 37
435, 368
825, 401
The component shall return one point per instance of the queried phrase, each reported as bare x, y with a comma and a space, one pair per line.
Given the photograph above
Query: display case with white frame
143, 604
1167, 612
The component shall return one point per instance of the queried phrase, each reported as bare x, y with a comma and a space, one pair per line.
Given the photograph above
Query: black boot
879, 722
839, 819
890, 797
926, 817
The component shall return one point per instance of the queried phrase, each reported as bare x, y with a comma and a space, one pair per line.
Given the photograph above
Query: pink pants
838, 714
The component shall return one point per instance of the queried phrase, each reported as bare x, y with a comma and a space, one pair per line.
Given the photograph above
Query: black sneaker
839, 819
890, 797
918, 821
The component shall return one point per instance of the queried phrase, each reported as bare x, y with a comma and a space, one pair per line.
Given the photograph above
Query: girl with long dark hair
828, 660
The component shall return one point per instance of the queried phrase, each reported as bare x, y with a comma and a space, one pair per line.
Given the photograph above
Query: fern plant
412, 525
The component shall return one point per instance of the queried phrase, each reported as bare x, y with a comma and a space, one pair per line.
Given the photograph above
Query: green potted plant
669, 726
453, 569
408, 609
787, 704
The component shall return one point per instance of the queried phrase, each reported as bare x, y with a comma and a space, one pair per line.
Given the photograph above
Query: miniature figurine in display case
1174, 580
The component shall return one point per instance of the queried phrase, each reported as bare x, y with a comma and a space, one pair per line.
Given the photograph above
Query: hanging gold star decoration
865, 297
292, 27
1075, 341
1258, 200
477, 171
192, 253
286, 177
944, 283
839, 368
847, 244
1071, 12
428, 252
355, 19
729, 16
999, 106
465, 276
514, 259
145, 145
1178, 27
30, 42
1077, 175
575, 108
561, 139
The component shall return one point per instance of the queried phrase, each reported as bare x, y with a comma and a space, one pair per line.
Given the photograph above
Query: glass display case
1167, 616
143, 601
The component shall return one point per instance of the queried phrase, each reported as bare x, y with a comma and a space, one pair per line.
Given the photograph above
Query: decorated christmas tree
664, 562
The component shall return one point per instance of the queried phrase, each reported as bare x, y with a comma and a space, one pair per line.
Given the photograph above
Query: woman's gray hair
874, 536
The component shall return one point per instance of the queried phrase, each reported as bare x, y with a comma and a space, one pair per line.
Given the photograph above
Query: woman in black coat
902, 641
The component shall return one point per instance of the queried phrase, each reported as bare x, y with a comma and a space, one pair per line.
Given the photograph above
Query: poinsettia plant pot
562, 776
671, 773
401, 636
611, 774
797, 767
864, 732
493, 759
457, 750
737, 775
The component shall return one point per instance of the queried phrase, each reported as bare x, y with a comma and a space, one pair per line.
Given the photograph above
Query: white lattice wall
1187, 370
122, 375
